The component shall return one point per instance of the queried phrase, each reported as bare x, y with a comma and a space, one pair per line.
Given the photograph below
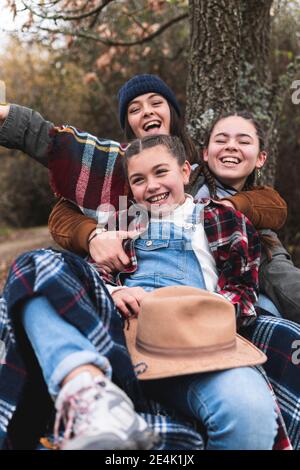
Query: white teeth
151, 124
158, 198
230, 160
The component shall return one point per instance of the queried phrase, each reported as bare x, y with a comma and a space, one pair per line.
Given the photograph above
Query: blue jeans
266, 304
58, 345
235, 406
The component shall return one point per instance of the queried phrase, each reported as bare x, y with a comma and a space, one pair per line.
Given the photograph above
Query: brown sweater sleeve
263, 206
69, 227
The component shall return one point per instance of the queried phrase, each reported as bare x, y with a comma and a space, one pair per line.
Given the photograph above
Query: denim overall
218, 399
221, 401
165, 256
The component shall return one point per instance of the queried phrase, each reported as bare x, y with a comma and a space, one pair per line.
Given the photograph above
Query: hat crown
185, 324
183, 330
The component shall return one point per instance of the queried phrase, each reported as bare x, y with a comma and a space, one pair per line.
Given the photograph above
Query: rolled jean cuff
71, 362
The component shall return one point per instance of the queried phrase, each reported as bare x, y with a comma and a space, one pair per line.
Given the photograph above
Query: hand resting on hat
128, 300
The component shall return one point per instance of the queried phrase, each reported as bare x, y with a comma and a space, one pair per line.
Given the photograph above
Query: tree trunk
256, 92
214, 60
229, 67
255, 32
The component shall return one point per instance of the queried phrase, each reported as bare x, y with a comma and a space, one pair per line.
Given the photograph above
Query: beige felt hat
183, 330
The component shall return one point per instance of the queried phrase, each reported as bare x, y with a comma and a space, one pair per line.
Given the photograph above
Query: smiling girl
234, 152
38, 289
206, 246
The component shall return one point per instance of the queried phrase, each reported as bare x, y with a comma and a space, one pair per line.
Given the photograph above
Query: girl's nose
152, 185
147, 109
231, 145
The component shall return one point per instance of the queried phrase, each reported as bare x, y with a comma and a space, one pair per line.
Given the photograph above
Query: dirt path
19, 241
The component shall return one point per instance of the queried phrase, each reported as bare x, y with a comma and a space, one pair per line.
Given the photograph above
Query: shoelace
72, 406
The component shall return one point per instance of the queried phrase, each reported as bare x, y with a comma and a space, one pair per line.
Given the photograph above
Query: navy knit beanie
140, 85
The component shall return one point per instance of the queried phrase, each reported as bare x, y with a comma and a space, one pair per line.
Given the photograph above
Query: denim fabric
60, 347
165, 256
267, 305
60, 276
224, 402
235, 406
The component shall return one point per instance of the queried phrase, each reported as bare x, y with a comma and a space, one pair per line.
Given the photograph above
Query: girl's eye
133, 110
221, 141
244, 142
156, 103
137, 181
162, 171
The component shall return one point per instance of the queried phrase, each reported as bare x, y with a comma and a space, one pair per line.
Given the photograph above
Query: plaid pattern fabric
86, 170
235, 245
77, 292
79, 295
279, 339
96, 177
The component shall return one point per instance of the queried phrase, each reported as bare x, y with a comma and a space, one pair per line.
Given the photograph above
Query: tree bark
255, 32
214, 58
256, 90
229, 68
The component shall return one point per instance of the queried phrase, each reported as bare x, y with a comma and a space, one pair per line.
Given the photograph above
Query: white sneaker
99, 415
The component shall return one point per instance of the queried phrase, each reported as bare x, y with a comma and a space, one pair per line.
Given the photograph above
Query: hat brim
150, 367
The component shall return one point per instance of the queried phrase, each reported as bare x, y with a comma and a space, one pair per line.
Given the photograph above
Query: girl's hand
107, 251
128, 300
4, 110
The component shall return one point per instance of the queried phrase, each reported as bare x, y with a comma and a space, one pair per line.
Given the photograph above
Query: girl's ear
186, 171
205, 154
261, 159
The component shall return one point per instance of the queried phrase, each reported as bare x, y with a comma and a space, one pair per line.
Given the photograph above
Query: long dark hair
203, 167
176, 129
267, 241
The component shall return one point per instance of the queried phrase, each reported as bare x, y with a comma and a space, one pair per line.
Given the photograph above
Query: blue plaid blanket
77, 292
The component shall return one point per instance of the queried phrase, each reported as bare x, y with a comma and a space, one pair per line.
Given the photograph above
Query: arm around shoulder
263, 206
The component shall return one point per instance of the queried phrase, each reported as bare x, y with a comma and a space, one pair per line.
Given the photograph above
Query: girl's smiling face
149, 114
157, 180
233, 151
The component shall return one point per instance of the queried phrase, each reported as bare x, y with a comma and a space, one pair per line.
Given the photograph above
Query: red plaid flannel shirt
236, 248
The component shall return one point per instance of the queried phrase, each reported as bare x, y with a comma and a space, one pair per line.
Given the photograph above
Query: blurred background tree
72, 56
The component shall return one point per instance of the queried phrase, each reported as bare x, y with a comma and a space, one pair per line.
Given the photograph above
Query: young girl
232, 138
279, 278
49, 282
188, 251
206, 246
